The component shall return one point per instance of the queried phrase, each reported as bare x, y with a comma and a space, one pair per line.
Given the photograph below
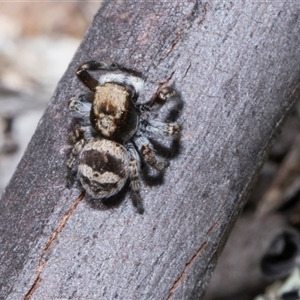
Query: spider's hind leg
78, 138
134, 167
147, 151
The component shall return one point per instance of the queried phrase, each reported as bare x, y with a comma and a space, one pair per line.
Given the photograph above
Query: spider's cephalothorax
113, 113
106, 151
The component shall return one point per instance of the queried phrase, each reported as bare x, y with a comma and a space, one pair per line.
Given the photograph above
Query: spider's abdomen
113, 113
103, 168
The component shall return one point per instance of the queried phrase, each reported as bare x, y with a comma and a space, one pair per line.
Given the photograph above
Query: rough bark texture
236, 65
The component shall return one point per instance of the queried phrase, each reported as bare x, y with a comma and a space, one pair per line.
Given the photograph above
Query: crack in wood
292, 93
213, 227
178, 37
184, 272
162, 84
206, 8
187, 70
42, 262
33, 288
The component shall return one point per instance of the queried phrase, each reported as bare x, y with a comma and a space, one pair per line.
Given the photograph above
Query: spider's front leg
134, 170
83, 74
165, 96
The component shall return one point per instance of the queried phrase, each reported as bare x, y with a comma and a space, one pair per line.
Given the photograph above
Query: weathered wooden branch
236, 65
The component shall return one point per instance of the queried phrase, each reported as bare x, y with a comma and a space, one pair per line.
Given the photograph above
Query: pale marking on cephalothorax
111, 98
124, 79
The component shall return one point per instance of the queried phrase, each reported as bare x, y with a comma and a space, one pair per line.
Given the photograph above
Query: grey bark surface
237, 68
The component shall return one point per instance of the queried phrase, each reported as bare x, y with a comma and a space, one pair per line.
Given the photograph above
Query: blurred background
37, 42
261, 258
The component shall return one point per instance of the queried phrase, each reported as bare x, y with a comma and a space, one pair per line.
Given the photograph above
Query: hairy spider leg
134, 167
161, 129
71, 162
81, 104
80, 138
164, 96
146, 149
170, 100
83, 74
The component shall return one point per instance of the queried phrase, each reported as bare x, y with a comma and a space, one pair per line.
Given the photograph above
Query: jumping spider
107, 151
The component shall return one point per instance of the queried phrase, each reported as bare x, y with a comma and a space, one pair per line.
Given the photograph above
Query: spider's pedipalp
80, 104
